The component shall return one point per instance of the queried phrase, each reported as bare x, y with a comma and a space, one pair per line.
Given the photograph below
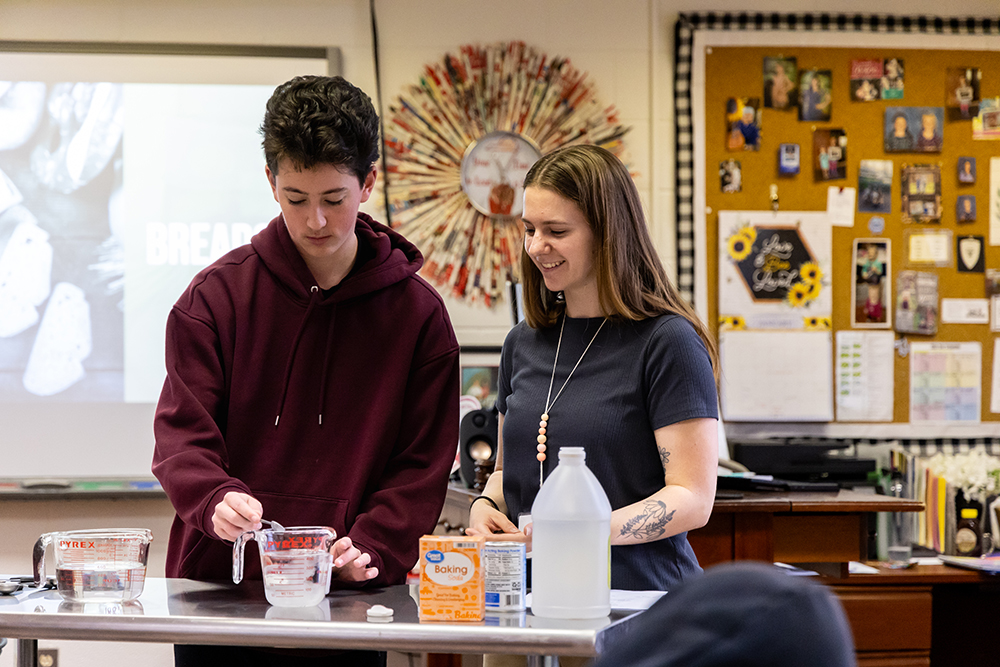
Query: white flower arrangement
975, 472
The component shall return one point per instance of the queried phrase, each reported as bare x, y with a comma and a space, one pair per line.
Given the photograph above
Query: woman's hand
349, 563
484, 520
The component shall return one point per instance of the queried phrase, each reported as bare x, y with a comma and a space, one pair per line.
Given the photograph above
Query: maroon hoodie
338, 410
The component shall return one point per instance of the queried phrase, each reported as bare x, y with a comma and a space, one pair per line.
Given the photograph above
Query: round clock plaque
493, 169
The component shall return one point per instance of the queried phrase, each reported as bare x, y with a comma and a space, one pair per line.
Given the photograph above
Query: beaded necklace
543, 424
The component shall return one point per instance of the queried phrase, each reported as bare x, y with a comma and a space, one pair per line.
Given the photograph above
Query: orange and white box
451, 578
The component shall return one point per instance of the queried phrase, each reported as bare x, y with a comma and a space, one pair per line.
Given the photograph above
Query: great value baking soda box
451, 578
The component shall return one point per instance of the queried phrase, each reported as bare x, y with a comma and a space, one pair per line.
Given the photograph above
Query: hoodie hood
391, 259
740, 614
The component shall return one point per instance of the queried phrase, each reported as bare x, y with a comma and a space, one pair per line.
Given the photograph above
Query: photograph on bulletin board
730, 176
986, 123
815, 99
921, 192
829, 154
866, 80
871, 279
965, 208
875, 186
916, 303
893, 79
743, 124
781, 80
966, 170
914, 129
962, 92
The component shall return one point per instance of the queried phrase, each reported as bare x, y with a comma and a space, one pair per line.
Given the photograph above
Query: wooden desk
928, 615
798, 527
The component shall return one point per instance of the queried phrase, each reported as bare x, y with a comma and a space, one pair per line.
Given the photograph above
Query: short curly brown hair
314, 120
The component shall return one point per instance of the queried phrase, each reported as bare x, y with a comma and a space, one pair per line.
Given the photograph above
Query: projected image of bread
25, 273
21, 106
63, 343
85, 126
9, 194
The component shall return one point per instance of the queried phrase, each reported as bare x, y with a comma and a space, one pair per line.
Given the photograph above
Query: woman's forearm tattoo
650, 523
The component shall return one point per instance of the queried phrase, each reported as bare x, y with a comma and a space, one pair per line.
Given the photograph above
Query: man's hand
236, 514
349, 564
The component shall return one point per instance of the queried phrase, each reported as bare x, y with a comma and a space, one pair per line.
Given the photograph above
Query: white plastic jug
571, 542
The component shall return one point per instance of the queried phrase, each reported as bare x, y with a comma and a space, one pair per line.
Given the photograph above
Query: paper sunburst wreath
458, 145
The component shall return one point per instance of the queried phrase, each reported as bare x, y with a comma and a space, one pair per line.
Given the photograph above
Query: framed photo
781, 82
870, 297
921, 193
480, 377
913, 129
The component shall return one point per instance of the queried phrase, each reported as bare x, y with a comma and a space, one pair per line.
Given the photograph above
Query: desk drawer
884, 618
894, 659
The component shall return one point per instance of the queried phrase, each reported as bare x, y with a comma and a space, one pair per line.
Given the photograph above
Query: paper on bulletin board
994, 201
864, 370
776, 375
840, 205
995, 385
774, 269
945, 383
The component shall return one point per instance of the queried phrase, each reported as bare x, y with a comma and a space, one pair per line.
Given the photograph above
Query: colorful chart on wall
774, 270
458, 144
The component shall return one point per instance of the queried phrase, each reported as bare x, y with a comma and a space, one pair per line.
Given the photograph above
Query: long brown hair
631, 281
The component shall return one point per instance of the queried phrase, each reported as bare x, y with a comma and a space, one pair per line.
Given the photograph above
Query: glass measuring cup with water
96, 565
296, 563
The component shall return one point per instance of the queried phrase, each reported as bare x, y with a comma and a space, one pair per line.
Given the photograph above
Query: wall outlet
48, 657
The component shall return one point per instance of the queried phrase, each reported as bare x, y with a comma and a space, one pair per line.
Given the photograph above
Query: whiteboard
777, 375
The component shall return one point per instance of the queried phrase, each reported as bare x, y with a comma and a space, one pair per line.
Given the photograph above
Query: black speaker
477, 443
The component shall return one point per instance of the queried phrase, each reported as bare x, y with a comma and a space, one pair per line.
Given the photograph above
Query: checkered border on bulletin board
684, 31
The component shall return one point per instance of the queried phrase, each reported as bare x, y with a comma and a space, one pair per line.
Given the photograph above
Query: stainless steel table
181, 611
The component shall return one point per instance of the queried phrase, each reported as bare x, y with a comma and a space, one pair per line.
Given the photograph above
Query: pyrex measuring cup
296, 563
105, 564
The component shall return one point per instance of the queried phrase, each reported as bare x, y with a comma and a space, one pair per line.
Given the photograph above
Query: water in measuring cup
297, 577
101, 581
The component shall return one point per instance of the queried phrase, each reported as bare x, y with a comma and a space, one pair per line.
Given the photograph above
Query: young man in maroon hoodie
312, 375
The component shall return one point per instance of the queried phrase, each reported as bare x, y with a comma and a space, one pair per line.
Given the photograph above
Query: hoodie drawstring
314, 299
326, 364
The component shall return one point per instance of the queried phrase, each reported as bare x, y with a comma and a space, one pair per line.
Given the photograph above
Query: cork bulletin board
736, 73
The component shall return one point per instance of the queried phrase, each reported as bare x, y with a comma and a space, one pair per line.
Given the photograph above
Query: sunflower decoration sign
774, 271
458, 144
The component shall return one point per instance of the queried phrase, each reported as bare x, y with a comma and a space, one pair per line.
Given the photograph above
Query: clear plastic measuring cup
103, 564
296, 563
